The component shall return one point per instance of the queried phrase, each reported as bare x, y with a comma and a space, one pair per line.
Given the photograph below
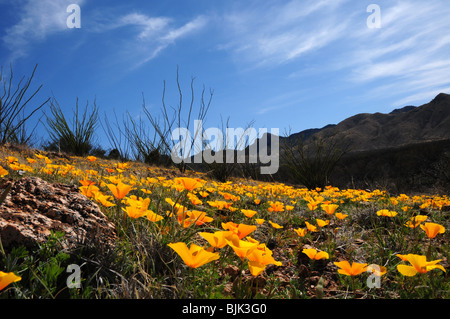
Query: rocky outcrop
33, 208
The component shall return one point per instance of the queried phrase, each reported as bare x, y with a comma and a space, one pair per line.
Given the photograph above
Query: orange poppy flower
314, 254
329, 208
419, 264
195, 256
242, 248
216, 239
322, 223
301, 231
134, 212
188, 218
340, 215
416, 221
350, 270
241, 230
120, 190
275, 225
248, 212
3, 172
7, 278
432, 229
260, 221
188, 183
376, 270
311, 227
387, 213
276, 207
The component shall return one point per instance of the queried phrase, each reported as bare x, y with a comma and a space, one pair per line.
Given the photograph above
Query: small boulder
33, 208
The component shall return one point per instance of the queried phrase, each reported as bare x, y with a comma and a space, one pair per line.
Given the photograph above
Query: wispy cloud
274, 34
146, 36
37, 20
150, 35
408, 55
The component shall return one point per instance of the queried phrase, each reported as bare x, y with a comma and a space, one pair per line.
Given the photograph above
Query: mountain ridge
403, 126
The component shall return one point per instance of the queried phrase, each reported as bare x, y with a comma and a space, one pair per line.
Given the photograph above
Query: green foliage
76, 139
14, 109
310, 162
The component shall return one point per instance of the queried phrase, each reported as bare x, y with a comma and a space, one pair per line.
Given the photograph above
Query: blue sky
282, 64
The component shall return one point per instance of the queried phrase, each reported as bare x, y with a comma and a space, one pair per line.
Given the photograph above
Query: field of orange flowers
191, 236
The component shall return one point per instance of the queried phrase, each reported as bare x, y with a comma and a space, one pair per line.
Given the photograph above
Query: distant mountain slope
405, 150
409, 125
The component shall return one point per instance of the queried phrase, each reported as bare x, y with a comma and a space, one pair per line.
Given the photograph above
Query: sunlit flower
228, 196
242, 248
329, 208
91, 158
275, 225
194, 199
387, 213
40, 156
203, 194
188, 183
260, 221
120, 190
248, 212
432, 229
416, 221
312, 205
314, 254
216, 239
103, 199
311, 227
241, 230
301, 231
89, 191
12, 159
350, 270
7, 278
259, 258
86, 182
134, 212
195, 256
153, 217
193, 216
340, 215
322, 223
402, 257
257, 201
419, 264
289, 207
376, 270
3, 172
275, 206
256, 268
220, 204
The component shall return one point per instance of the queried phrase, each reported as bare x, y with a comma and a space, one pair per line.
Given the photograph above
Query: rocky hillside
401, 127
405, 150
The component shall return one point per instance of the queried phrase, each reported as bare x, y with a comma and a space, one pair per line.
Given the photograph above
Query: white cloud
36, 21
150, 35
148, 25
279, 33
408, 56
155, 35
